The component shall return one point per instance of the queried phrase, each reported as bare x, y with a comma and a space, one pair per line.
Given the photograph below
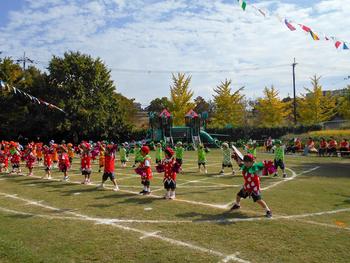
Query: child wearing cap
159, 153
227, 161
86, 156
63, 162
251, 172
109, 167
170, 167
279, 158
144, 169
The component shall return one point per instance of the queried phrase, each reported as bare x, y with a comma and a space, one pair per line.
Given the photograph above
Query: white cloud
186, 35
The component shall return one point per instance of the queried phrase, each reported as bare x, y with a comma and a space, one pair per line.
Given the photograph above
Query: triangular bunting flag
289, 25
314, 36
305, 28
337, 44
243, 4
345, 46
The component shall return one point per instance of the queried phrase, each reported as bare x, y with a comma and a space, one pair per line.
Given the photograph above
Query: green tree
181, 95
201, 105
229, 107
158, 105
83, 87
270, 109
316, 106
344, 104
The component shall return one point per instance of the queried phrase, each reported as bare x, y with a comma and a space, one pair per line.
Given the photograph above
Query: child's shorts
86, 171
179, 161
158, 161
244, 194
105, 176
227, 165
278, 163
169, 184
15, 165
48, 168
201, 163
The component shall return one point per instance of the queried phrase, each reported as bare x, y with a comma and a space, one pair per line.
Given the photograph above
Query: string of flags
33, 99
292, 26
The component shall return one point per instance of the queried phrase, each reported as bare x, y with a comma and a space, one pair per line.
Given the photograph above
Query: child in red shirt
15, 157
251, 172
86, 162
170, 167
344, 147
332, 147
3, 158
144, 169
63, 162
30, 158
109, 167
47, 161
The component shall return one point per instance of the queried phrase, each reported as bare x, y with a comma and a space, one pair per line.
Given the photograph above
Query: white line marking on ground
113, 223
294, 175
77, 193
150, 234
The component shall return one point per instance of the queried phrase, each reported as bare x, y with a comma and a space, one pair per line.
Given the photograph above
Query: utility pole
24, 59
294, 99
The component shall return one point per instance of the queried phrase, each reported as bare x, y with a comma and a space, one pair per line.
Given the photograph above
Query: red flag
305, 28
289, 25
337, 44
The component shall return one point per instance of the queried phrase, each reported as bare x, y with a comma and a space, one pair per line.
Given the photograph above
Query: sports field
54, 221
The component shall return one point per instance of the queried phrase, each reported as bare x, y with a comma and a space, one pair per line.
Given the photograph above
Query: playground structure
162, 129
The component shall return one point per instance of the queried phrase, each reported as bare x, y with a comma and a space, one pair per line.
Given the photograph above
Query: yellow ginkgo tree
180, 97
316, 106
271, 110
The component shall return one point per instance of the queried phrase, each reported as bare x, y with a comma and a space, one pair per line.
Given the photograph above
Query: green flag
243, 4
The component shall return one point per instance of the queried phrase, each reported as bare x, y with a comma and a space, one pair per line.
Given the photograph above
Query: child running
109, 166
251, 188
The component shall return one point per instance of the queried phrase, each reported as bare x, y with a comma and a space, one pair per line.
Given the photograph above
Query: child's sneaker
172, 197
233, 172
147, 193
284, 175
235, 207
142, 192
268, 214
116, 189
221, 172
205, 171
66, 178
100, 186
49, 178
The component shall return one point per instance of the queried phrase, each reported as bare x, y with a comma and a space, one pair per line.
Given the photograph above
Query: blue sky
212, 40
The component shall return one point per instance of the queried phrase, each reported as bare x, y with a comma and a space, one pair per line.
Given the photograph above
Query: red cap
169, 151
145, 149
248, 158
